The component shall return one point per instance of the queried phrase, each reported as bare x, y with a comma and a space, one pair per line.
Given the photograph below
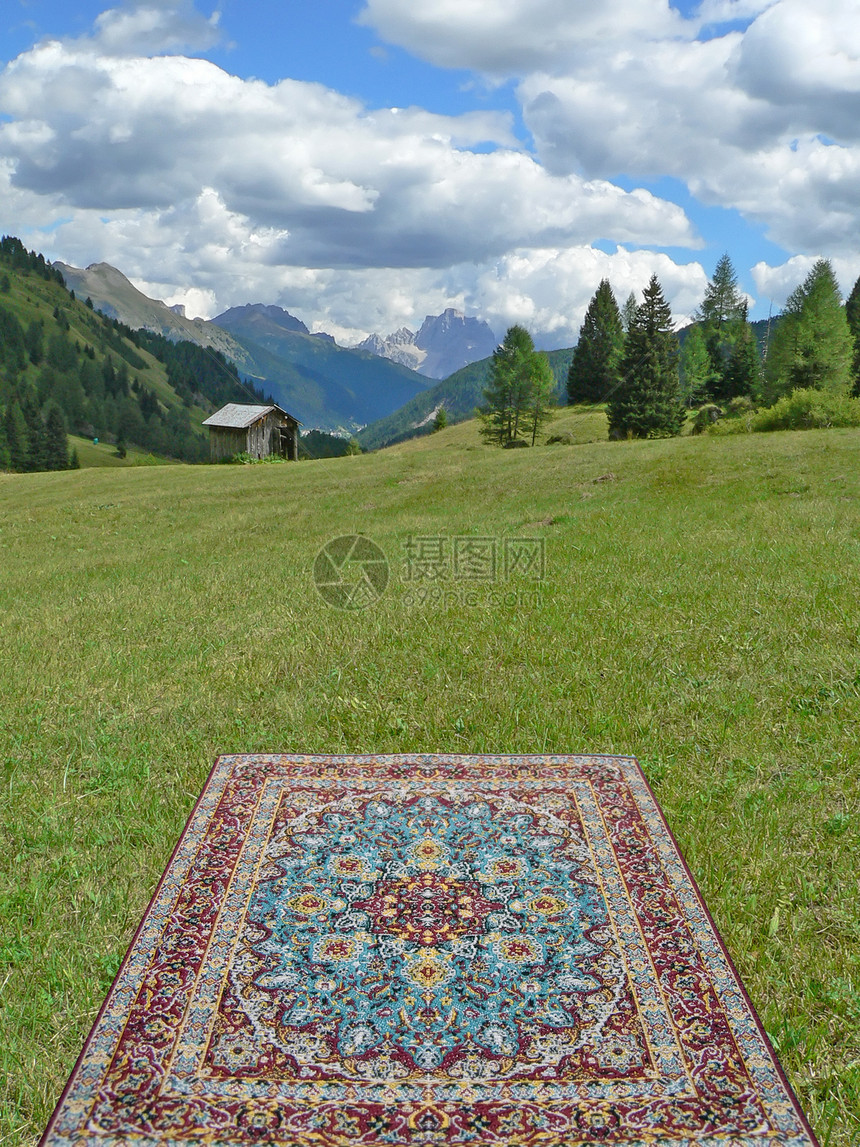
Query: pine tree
542, 395
56, 446
593, 373
742, 375
628, 313
721, 314
34, 342
35, 435
13, 350
647, 403
723, 301
15, 429
506, 396
812, 346
852, 314
697, 374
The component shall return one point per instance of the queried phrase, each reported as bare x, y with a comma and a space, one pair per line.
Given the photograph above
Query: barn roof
235, 416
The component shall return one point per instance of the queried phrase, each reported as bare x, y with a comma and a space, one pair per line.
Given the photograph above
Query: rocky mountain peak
444, 343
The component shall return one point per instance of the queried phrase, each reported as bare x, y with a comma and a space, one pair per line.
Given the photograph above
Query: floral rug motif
427, 950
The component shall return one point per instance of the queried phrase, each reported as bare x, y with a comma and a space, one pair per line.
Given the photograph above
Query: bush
706, 416
515, 444
563, 439
243, 458
809, 410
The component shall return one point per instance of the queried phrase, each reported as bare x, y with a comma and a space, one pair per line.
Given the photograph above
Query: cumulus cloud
777, 282
514, 37
239, 189
342, 185
155, 27
761, 114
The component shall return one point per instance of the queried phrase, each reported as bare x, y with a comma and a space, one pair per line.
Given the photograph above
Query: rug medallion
427, 950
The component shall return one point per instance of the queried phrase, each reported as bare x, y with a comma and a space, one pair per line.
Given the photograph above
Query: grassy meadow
700, 610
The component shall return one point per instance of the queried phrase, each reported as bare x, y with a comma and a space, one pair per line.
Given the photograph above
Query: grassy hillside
103, 454
81, 362
107, 381
460, 393
699, 611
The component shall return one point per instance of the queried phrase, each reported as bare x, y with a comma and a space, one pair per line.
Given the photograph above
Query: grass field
700, 610
104, 455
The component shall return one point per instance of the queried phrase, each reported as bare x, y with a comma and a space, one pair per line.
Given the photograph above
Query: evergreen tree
812, 346
35, 435
61, 352
593, 373
647, 403
723, 302
506, 396
56, 443
742, 375
722, 313
542, 395
628, 313
697, 374
13, 350
34, 343
441, 419
15, 430
852, 314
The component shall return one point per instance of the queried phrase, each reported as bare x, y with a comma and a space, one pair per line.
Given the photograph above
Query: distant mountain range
443, 345
322, 384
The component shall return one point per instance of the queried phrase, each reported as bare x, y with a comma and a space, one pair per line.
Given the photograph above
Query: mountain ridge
443, 344
322, 384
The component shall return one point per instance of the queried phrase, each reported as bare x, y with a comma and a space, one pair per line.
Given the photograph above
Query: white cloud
155, 27
717, 12
764, 118
213, 190
238, 189
777, 283
342, 185
513, 37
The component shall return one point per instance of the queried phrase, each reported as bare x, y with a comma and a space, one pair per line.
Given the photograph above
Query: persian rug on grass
427, 950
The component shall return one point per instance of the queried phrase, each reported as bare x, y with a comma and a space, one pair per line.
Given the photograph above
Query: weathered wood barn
260, 431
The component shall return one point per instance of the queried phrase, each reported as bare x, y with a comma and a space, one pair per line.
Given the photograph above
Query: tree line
649, 376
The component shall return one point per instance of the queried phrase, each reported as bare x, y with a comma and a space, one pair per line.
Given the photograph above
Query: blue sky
250, 152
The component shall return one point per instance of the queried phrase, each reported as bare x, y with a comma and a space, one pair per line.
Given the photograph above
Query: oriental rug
427, 950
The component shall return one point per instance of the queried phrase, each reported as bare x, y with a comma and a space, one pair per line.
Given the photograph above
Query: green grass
701, 610
104, 455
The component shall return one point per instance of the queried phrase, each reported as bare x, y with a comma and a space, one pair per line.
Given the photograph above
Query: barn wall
259, 440
225, 443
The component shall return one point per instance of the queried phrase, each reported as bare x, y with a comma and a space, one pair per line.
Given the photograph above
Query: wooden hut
260, 431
